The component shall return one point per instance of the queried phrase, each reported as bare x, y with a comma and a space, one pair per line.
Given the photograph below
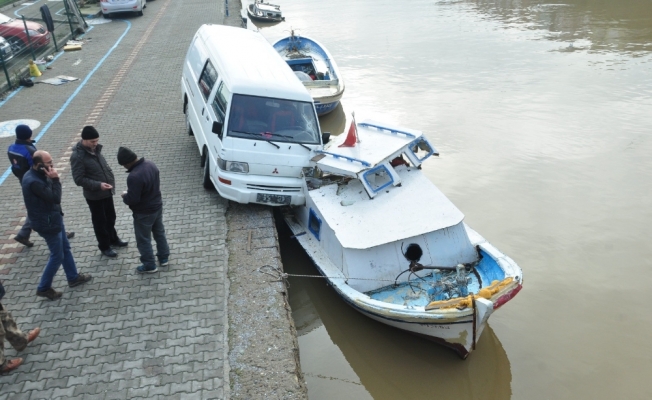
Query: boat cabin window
207, 79
378, 178
314, 224
422, 150
278, 120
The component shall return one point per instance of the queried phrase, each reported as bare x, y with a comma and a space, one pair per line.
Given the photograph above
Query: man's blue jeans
60, 254
146, 225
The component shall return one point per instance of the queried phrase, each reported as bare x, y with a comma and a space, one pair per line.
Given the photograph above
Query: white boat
315, 67
265, 12
392, 245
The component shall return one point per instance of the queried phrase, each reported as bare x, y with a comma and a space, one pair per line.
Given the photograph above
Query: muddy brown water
542, 113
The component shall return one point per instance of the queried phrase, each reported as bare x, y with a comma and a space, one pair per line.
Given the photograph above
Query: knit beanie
89, 133
23, 132
126, 156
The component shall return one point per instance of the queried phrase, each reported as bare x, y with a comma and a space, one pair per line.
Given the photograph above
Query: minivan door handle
202, 111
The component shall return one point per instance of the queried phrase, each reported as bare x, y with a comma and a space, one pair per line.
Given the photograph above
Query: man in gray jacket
91, 171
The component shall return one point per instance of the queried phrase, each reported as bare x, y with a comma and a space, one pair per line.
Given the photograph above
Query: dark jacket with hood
43, 202
143, 188
20, 155
90, 170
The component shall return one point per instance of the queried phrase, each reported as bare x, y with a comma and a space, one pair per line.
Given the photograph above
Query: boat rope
474, 320
280, 276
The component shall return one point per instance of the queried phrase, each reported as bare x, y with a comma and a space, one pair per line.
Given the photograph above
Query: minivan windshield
270, 119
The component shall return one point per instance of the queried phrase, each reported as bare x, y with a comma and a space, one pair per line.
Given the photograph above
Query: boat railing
350, 159
321, 83
385, 129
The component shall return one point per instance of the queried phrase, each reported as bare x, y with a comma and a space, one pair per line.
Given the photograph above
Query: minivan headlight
233, 166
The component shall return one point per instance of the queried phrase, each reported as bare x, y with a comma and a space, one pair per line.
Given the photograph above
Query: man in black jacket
91, 171
20, 155
42, 195
143, 196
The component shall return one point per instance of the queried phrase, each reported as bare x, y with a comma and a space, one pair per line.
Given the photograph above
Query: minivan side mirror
325, 137
217, 128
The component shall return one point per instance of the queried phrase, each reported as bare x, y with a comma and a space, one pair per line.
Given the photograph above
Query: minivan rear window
207, 79
277, 120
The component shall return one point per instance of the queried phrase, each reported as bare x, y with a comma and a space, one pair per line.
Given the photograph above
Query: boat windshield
279, 120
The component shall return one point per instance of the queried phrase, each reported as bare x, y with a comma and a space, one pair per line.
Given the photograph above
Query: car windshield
4, 19
271, 119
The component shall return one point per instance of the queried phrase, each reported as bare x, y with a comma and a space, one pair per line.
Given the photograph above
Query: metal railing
29, 37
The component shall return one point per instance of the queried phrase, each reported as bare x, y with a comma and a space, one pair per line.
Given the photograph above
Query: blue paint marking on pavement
75, 93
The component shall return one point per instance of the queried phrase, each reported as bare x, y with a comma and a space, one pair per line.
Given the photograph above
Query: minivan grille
282, 189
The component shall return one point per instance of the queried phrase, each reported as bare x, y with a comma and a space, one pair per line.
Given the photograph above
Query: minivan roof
249, 64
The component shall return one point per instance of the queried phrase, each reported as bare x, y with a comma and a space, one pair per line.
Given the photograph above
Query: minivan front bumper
246, 188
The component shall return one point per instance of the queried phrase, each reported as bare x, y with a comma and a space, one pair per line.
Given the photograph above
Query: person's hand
105, 186
123, 194
51, 173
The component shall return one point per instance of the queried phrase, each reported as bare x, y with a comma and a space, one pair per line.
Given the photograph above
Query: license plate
273, 198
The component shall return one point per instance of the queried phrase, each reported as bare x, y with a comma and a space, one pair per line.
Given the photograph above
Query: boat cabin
366, 205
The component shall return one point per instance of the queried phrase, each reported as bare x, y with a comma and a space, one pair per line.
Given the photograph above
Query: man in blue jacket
20, 156
143, 196
42, 194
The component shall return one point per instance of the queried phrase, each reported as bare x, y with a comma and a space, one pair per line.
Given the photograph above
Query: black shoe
119, 243
49, 293
110, 253
81, 279
70, 235
24, 241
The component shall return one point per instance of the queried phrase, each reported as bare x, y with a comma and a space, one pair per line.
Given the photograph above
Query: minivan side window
207, 79
220, 102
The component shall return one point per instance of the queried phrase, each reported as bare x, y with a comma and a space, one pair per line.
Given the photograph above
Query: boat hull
325, 108
326, 93
456, 329
254, 17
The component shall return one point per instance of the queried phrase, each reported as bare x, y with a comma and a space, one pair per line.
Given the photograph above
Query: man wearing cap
20, 155
91, 171
42, 194
143, 196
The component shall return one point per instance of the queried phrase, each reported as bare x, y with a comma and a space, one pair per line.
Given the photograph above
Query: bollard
29, 40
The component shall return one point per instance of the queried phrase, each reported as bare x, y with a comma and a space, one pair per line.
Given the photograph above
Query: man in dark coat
143, 196
17, 338
42, 195
91, 171
20, 155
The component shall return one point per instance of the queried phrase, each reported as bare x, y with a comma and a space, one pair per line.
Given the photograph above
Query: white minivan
254, 122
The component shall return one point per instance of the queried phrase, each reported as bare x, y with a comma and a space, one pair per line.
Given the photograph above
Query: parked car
113, 6
13, 31
5, 50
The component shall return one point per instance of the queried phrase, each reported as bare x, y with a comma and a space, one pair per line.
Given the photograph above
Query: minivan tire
206, 177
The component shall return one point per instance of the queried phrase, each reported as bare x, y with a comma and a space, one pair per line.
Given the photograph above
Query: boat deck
418, 292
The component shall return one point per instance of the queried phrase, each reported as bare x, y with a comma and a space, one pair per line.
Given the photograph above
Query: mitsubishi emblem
275, 171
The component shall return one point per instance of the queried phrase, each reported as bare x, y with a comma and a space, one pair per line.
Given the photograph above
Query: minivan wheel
206, 177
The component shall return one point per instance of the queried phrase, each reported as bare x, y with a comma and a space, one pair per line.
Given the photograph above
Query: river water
542, 113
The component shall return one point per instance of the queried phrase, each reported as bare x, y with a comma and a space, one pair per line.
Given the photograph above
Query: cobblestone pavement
123, 335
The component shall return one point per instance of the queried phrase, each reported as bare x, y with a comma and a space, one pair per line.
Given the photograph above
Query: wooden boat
316, 69
265, 12
392, 245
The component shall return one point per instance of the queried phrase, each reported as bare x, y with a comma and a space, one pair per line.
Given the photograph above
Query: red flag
351, 137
